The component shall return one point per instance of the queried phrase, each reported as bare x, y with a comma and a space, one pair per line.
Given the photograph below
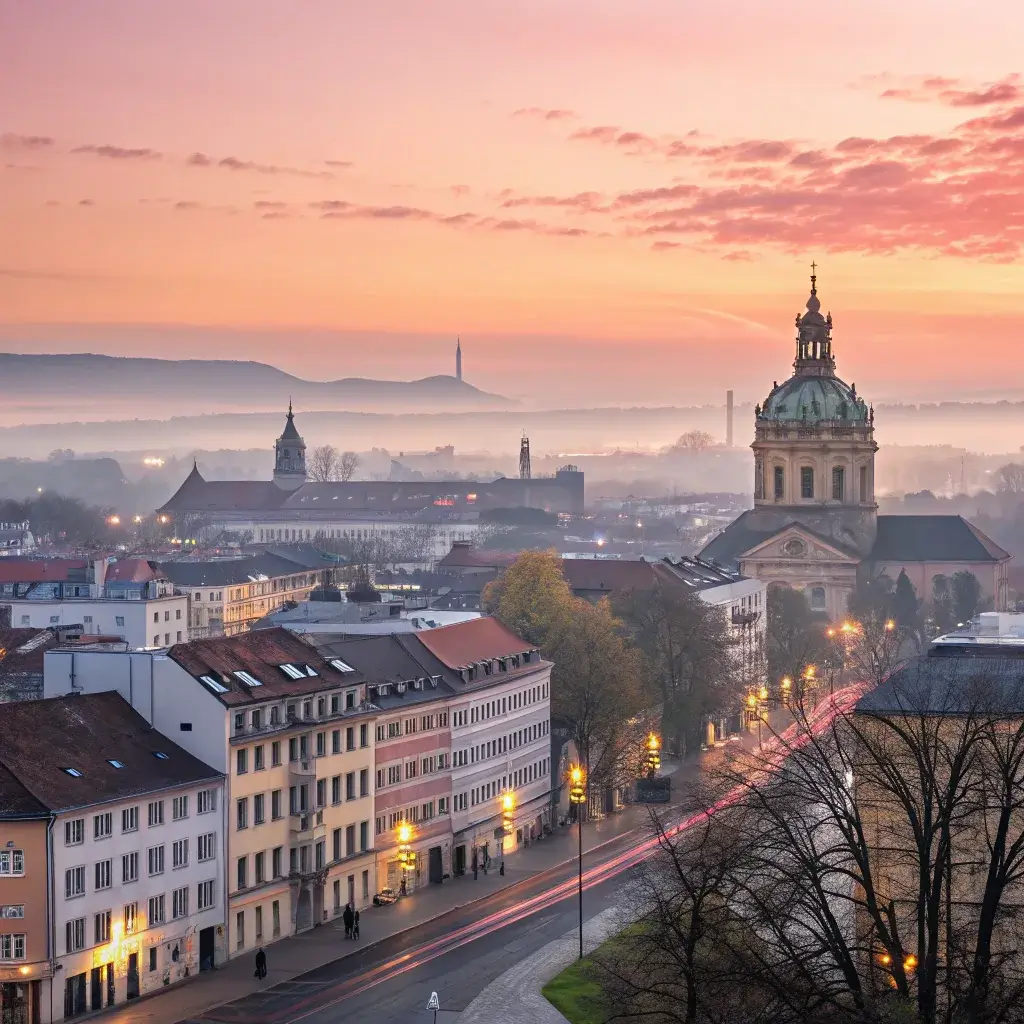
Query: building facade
815, 524
128, 859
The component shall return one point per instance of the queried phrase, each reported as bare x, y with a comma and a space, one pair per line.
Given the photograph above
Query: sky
610, 201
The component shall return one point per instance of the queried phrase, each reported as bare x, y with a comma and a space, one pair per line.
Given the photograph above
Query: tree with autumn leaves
598, 682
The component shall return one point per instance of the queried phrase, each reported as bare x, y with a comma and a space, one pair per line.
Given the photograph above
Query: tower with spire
290, 456
458, 359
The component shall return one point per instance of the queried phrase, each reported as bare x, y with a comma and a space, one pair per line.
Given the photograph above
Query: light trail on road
774, 752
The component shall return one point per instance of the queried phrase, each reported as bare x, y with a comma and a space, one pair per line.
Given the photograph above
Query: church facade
815, 524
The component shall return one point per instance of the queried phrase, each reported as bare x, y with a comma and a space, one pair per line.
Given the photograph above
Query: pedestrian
347, 918
261, 964
355, 926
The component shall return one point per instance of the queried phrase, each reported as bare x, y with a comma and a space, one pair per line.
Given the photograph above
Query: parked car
384, 897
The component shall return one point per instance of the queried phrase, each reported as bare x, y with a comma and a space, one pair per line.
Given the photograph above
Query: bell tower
290, 456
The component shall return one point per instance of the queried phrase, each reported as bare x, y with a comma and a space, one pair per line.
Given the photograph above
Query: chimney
728, 419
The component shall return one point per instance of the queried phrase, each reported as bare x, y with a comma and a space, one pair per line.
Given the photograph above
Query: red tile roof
261, 653
133, 570
476, 640
463, 556
38, 570
22, 649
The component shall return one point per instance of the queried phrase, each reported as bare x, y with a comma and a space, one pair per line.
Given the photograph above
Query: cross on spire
814, 279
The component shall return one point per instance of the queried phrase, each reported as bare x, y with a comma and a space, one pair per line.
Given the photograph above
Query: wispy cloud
120, 152
234, 163
950, 92
545, 114
13, 141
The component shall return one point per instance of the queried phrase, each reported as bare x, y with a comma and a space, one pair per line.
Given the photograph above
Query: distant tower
290, 456
728, 419
458, 359
524, 458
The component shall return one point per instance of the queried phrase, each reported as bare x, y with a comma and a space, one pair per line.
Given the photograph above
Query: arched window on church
864, 483
817, 599
780, 483
838, 483
806, 482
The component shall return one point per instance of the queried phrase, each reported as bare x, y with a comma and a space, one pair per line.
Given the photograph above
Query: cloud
953, 92
13, 141
86, 202
459, 190
269, 204
582, 200
611, 135
187, 204
545, 114
664, 246
119, 152
341, 164
234, 163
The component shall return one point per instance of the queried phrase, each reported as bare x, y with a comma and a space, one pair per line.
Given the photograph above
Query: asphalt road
456, 955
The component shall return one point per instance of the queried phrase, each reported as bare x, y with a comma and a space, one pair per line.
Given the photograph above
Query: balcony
308, 826
302, 772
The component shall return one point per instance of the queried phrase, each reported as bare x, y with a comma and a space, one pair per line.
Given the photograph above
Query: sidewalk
295, 955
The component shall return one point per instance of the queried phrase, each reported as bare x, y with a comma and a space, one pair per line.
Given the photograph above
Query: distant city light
114, 520
163, 519
153, 460
136, 519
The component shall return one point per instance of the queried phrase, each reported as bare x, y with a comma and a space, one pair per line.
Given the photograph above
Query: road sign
435, 1003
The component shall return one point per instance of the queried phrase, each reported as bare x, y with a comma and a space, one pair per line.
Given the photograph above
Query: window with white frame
102, 825
12, 947
104, 874
179, 808
156, 813
74, 882
74, 832
155, 859
101, 928
130, 819
131, 917
157, 910
179, 854
179, 903
74, 935
206, 801
130, 867
206, 846
206, 895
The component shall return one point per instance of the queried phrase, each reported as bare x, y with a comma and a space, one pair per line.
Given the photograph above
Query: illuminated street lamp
508, 810
113, 520
787, 688
578, 796
136, 519
653, 754
406, 856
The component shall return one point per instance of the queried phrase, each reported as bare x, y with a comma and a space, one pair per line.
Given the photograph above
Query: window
74, 882
130, 819
275, 805
350, 786
74, 935
74, 832
102, 825
247, 677
241, 762
258, 760
130, 867
155, 860
259, 867
364, 735
817, 599
364, 782
104, 874
336, 741
177, 613
179, 854
863, 483
364, 836
179, 808
157, 910
240, 930
156, 813
101, 928
179, 903
806, 482
780, 482
321, 792
242, 813
206, 846
275, 862
152, 958
350, 738
394, 775
206, 895
275, 752
206, 801
411, 770
258, 813
838, 483
243, 872
12, 947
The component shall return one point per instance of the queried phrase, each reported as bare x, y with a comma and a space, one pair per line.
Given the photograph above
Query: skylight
247, 677
293, 672
213, 684
341, 666
310, 671
160, 755
73, 772
114, 763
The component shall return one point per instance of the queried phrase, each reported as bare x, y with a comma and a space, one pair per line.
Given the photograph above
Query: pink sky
608, 200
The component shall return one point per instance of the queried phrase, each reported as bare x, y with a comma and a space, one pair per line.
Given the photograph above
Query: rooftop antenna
524, 458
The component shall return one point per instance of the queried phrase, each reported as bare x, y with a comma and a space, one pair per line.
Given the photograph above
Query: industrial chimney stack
728, 419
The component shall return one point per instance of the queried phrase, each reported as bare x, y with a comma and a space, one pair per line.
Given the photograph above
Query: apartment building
500, 737
126, 598
412, 751
294, 736
227, 595
111, 842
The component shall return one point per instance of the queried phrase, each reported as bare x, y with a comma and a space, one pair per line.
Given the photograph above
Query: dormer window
246, 677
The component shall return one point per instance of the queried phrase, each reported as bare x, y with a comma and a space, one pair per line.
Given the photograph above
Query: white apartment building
500, 737
134, 845
293, 735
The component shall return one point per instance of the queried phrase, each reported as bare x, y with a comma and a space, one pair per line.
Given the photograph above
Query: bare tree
347, 465
695, 441
324, 463
1010, 478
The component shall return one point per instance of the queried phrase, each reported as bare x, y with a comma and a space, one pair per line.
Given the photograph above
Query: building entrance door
133, 976
15, 1003
436, 866
207, 949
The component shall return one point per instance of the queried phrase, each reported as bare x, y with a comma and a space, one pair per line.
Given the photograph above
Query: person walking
261, 964
355, 926
348, 919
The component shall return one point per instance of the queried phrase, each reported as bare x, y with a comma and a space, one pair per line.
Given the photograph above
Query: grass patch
576, 995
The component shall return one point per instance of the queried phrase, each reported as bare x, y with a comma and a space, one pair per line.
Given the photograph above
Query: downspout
131, 683
51, 925
152, 694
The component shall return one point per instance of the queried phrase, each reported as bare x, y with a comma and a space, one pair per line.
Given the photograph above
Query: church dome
815, 400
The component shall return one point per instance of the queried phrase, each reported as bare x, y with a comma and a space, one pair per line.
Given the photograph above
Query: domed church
815, 523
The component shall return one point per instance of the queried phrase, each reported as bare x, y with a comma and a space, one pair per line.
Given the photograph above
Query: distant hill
40, 388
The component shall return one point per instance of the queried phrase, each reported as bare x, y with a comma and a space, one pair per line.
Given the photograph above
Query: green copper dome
814, 400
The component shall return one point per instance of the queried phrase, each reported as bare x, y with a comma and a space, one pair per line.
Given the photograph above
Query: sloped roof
462, 555
225, 572
752, 528
22, 649
932, 539
606, 575
41, 738
133, 570
39, 570
199, 495
261, 653
476, 640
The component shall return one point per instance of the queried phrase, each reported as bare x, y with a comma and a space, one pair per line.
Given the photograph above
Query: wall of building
159, 622
443, 535
993, 577
163, 951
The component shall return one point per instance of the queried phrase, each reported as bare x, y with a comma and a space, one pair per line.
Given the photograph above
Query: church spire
458, 358
814, 336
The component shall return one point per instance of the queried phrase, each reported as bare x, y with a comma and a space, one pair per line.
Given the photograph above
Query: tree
324, 463
691, 653
906, 608
531, 596
795, 637
347, 465
1010, 478
695, 441
966, 596
942, 613
873, 599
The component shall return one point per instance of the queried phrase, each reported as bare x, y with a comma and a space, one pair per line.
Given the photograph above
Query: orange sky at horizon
616, 200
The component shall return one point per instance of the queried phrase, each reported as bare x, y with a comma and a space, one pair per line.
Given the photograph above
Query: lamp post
653, 754
508, 811
406, 856
578, 796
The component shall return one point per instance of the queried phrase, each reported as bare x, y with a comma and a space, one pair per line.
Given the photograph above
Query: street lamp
406, 856
578, 796
653, 754
787, 689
